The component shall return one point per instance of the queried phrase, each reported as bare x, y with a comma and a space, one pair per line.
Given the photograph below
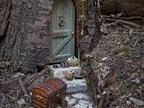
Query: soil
120, 56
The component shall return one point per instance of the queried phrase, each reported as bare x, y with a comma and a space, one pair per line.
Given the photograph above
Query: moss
118, 36
123, 51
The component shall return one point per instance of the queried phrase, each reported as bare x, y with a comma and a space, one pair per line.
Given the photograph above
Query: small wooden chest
50, 94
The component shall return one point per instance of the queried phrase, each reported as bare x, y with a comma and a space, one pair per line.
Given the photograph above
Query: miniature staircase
74, 86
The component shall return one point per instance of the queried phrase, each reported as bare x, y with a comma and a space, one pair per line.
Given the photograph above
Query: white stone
76, 85
21, 102
59, 72
72, 101
91, 105
79, 106
81, 96
67, 98
103, 59
136, 101
84, 103
128, 102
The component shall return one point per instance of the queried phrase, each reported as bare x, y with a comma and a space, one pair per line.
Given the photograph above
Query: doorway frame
75, 3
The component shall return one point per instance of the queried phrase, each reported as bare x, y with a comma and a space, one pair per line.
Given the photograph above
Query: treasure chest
50, 94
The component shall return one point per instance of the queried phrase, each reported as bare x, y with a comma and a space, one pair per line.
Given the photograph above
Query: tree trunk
24, 26
128, 7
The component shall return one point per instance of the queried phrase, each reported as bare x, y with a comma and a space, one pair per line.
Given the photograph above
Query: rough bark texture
128, 7
24, 32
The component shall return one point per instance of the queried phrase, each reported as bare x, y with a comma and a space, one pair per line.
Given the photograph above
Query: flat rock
67, 98
84, 103
72, 101
76, 85
90, 105
79, 106
60, 72
136, 101
81, 96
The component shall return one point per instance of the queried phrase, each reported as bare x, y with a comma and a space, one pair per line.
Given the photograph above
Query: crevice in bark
5, 20
96, 37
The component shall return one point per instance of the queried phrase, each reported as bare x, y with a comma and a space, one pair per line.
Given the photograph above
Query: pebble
84, 103
21, 102
128, 102
91, 105
79, 106
72, 101
136, 80
103, 59
136, 101
81, 96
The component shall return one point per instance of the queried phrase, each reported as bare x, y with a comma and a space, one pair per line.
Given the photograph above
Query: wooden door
63, 30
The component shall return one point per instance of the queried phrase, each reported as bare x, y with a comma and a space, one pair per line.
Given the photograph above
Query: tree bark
24, 32
128, 7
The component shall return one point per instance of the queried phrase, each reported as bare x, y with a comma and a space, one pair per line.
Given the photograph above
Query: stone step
74, 86
60, 72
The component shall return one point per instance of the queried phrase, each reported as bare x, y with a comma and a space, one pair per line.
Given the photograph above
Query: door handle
72, 33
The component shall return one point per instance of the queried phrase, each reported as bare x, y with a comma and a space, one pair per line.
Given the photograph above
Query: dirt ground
120, 55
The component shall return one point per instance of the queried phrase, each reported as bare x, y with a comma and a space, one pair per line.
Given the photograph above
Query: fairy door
63, 30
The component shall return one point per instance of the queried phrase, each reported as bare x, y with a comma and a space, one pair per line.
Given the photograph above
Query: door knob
72, 33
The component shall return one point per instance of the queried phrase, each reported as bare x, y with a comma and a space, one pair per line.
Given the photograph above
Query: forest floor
120, 56
120, 53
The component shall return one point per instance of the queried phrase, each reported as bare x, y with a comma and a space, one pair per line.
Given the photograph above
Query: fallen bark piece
136, 101
4, 64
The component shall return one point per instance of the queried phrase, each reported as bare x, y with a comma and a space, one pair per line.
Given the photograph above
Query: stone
79, 106
60, 72
90, 105
67, 98
105, 58
72, 101
135, 80
81, 96
128, 102
136, 101
21, 102
76, 85
84, 103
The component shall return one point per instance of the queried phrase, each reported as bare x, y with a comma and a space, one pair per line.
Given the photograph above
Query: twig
22, 85
107, 97
9, 81
112, 23
101, 100
127, 27
13, 98
43, 72
124, 18
134, 17
123, 21
135, 43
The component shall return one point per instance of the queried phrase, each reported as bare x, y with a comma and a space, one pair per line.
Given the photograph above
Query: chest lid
50, 87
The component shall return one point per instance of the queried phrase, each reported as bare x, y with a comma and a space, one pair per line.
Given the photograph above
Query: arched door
63, 30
